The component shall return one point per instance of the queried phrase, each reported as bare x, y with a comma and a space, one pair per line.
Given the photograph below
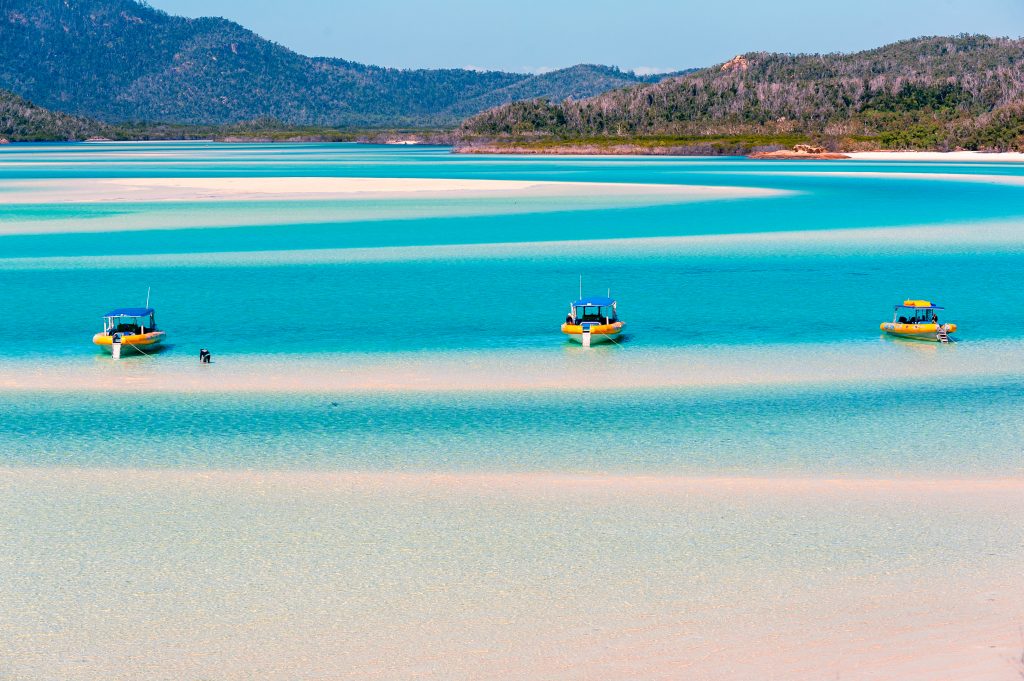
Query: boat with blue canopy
129, 329
593, 319
919, 320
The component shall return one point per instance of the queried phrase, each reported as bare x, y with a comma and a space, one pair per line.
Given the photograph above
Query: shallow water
458, 300
343, 304
779, 431
158, 575
519, 302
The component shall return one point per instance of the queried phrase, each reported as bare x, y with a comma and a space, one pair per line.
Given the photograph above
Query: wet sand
176, 574
569, 368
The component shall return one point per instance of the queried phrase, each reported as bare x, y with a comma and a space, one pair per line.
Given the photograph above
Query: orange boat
129, 329
593, 320
918, 319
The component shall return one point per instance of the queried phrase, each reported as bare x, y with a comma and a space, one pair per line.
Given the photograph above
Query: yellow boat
129, 329
918, 319
592, 320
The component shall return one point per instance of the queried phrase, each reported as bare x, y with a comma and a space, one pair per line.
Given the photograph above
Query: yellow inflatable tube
151, 338
595, 329
914, 329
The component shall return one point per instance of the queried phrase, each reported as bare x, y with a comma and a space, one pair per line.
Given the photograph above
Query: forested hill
935, 92
21, 120
576, 82
119, 60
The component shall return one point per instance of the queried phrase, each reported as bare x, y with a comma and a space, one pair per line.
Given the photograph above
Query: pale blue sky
532, 35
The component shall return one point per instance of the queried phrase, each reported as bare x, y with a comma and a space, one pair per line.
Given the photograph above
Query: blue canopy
599, 301
130, 312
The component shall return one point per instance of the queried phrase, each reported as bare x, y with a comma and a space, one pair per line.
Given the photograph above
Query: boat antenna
581, 287
148, 289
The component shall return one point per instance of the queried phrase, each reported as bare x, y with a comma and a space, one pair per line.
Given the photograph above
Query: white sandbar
147, 190
563, 368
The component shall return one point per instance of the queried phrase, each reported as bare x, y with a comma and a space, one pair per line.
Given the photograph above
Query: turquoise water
516, 303
334, 278
776, 431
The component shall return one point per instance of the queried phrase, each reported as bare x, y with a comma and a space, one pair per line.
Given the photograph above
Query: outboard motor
115, 346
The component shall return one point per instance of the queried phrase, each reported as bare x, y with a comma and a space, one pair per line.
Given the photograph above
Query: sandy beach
946, 156
170, 574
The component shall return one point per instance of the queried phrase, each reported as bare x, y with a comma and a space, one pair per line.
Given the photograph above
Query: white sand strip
887, 362
148, 190
336, 213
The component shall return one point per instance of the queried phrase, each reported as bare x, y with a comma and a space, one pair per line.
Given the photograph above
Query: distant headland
939, 93
126, 71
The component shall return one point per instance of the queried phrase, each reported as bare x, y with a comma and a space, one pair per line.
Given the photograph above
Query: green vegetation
919, 136
913, 97
119, 60
23, 121
1003, 129
259, 130
927, 93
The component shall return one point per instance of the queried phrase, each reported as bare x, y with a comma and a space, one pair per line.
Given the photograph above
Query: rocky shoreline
799, 152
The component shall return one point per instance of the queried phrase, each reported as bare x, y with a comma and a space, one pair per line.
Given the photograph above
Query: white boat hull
595, 338
128, 349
